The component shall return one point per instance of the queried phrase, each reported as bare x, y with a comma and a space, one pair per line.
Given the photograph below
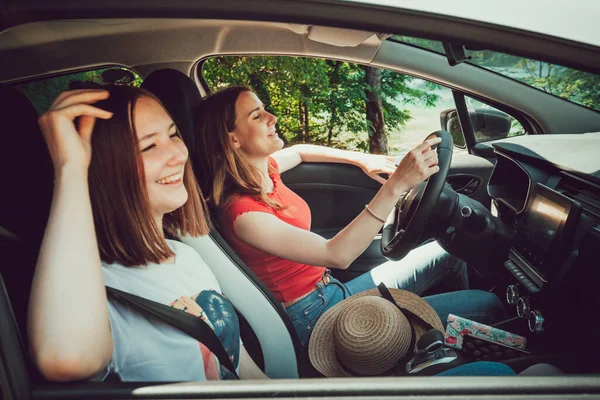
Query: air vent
586, 193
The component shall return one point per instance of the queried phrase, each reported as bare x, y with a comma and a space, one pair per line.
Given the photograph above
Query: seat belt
187, 323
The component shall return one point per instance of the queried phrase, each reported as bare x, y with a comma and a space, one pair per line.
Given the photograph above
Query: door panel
464, 183
335, 193
466, 168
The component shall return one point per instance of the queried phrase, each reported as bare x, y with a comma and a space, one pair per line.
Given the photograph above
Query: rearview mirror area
488, 124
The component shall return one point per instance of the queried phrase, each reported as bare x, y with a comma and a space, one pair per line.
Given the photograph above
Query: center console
542, 252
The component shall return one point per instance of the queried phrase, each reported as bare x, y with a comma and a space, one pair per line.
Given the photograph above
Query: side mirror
488, 124
450, 123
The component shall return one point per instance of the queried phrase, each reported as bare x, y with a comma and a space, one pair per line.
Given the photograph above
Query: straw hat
367, 334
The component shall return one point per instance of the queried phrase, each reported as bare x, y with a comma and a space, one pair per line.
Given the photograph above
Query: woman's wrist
394, 189
68, 173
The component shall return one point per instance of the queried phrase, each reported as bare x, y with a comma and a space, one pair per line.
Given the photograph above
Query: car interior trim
517, 210
367, 17
338, 387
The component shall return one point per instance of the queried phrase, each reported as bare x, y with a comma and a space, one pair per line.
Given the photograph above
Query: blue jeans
418, 271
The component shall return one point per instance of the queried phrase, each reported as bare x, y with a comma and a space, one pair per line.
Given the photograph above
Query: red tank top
287, 279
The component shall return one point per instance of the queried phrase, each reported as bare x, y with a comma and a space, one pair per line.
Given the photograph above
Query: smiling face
163, 155
254, 134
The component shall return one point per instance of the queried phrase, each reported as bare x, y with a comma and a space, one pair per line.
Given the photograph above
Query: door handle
464, 183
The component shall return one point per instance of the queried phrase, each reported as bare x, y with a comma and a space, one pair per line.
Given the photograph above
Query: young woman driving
123, 179
268, 225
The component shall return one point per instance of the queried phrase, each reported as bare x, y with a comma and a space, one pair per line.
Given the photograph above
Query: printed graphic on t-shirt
218, 313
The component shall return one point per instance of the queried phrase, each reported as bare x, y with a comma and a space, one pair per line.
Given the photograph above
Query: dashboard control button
536, 321
510, 266
523, 307
512, 294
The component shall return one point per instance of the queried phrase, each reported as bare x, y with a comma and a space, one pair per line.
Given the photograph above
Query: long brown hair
225, 172
125, 229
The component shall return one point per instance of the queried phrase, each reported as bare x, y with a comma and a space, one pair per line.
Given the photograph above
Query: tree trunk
306, 129
377, 137
331, 124
334, 78
301, 121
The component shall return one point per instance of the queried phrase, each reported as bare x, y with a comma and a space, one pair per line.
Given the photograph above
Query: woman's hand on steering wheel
416, 166
403, 230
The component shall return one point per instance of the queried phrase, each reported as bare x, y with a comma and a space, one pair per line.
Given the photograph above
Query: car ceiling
63, 45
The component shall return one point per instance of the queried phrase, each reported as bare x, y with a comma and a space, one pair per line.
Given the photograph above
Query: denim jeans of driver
417, 272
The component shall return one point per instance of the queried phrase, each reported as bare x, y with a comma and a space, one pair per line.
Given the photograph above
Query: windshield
579, 87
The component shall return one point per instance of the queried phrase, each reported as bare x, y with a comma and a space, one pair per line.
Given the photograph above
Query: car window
489, 123
42, 92
570, 84
335, 103
428, 44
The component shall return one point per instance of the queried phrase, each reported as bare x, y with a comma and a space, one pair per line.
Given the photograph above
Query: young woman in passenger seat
268, 225
122, 179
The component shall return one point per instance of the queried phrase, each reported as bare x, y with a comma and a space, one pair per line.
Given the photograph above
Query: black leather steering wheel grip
396, 243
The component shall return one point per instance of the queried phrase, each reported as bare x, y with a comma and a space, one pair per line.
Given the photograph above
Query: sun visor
338, 37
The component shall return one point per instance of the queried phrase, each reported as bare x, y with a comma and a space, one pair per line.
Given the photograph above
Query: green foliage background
42, 92
316, 100
577, 86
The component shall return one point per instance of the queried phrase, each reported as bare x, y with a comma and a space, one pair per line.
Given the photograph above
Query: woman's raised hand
70, 142
416, 166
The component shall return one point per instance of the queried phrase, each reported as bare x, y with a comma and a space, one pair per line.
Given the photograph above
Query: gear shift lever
430, 351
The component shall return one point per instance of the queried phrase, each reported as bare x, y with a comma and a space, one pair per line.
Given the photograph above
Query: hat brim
321, 349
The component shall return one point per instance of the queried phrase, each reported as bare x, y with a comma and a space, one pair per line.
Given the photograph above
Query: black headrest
180, 95
28, 175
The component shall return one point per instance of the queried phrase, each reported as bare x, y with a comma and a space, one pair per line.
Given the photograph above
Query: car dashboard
547, 188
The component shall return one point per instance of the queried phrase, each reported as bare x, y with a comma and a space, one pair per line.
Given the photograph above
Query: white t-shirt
147, 349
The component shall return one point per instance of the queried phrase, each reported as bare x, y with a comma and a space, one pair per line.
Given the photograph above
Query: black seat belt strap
187, 323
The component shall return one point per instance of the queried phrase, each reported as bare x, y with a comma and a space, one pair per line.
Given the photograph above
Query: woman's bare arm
371, 164
286, 241
68, 316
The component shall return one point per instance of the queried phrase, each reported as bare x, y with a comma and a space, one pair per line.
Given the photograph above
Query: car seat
25, 203
24, 208
284, 356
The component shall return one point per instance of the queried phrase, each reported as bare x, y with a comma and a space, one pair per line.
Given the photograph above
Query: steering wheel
405, 224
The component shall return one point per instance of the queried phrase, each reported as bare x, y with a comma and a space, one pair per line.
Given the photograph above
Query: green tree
316, 100
577, 86
41, 93
374, 108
